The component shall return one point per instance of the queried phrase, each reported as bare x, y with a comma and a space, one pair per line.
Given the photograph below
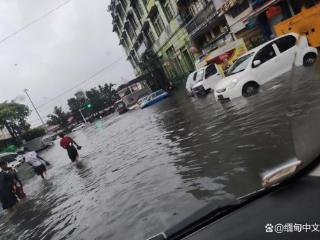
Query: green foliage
33, 133
59, 117
96, 99
74, 105
14, 115
90, 102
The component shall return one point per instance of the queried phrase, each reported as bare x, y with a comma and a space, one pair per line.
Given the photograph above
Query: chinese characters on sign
292, 227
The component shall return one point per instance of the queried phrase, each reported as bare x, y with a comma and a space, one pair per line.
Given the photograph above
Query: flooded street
145, 170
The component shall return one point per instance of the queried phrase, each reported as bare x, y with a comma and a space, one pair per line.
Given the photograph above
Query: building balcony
204, 18
150, 4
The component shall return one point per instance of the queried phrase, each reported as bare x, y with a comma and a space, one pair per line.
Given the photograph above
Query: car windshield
165, 132
240, 64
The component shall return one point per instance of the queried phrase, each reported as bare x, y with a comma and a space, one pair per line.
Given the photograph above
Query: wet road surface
144, 170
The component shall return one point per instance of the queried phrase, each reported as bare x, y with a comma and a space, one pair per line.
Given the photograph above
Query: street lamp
34, 106
88, 105
84, 119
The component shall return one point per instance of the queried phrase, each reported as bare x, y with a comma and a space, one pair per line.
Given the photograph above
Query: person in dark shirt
68, 143
7, 197
17, 182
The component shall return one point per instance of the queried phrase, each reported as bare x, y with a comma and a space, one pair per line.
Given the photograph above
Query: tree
93, 101
59, 117
74, 105
13, 116
109, 94
96, 100
34, 133
151, 68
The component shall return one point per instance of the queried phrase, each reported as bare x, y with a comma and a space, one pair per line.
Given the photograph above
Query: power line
34, 21
82, 82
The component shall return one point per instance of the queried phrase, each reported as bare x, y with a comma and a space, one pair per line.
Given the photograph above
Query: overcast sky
60, 44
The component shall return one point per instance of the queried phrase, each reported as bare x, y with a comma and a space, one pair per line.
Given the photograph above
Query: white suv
263, 64
205, 80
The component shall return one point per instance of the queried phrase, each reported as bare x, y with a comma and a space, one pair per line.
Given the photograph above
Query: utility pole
85, 121
26, 91
87, 105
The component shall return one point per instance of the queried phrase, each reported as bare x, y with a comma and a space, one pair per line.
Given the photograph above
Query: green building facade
145, 26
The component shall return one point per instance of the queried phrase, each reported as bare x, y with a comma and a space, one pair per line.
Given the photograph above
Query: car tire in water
309, 59
249, 89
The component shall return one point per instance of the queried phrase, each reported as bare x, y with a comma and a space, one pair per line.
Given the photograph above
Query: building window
239, 8
132, 62
197, 6
150, 36
168, 10
124, 3
133, 22
170, 52
125, 45
158, 23
118, 31
138, 10
126, 42
135, 57
118, 22
126, 38
131, 32
121, 13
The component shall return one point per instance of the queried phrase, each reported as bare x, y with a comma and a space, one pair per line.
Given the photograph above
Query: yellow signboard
227, 54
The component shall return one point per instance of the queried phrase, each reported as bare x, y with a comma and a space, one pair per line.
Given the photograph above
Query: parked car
192, 79
154, 98
13, 159
206, 80
48, 140
263, 64
120, 107
78, 127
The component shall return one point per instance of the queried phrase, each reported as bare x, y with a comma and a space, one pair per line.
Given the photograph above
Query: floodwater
145, 170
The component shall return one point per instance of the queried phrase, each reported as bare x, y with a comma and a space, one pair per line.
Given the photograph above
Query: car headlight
221, 90
233, 83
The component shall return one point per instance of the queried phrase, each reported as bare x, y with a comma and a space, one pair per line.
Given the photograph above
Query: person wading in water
68, 143
7, 188
36, 162
17, 182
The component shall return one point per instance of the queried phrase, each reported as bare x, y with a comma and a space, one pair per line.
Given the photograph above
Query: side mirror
279, 173
256, 63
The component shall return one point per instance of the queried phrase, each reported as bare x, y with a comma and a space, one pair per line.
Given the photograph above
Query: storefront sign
226, 55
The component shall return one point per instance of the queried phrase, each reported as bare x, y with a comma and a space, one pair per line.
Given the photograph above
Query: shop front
265, 15
224, 56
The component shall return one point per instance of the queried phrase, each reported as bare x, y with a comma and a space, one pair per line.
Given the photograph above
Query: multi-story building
207, 28
153, 26
168, 30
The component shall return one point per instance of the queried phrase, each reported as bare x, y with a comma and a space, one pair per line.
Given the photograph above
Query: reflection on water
145, 170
